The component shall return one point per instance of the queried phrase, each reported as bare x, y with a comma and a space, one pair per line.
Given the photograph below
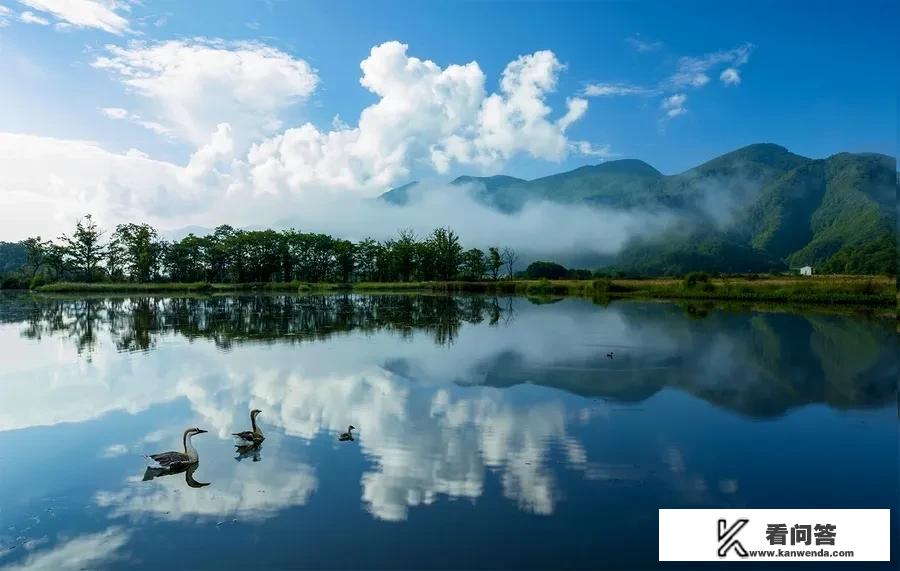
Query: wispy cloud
4, 15
118, 114
103, 15
588, 149
29, 17
614, 90
690, 73
643, 45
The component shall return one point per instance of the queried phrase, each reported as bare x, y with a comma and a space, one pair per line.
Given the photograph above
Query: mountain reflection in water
758, 363
480, 413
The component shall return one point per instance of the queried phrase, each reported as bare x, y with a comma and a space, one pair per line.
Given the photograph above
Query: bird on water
250, 437
177, 461
345, 436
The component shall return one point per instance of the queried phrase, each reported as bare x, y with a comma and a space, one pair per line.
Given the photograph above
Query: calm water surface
492, 432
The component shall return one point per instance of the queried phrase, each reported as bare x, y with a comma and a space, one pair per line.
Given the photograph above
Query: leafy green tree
366, 259
403, 253
494, 262
35, 255
344, 251
447, 253
546, 270
55, 257
137, 247
474, 264
83, 247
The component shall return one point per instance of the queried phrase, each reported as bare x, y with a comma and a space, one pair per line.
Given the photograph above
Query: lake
492, 432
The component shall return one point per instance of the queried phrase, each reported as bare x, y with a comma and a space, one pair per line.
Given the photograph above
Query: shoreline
873, 291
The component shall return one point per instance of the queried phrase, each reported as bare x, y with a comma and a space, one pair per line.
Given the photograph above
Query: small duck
250, 437
171, 461
609, 355
345, 436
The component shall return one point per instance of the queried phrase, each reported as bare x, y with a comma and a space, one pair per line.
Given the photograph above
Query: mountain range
758, 208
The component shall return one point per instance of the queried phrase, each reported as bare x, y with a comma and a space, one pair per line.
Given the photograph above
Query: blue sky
812, 76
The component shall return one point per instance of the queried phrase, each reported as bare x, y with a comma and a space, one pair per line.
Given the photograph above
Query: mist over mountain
758, 208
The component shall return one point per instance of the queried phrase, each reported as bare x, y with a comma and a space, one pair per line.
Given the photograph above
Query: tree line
136, 253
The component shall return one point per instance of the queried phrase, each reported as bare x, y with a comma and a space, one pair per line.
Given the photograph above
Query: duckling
174, 460
345, 436
250, 437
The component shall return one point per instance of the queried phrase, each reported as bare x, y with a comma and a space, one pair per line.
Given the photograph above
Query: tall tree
447, 253
474, 265
56, 259
344, 259
403, 252
35, 255
510, 257
139, 249
494, 262
83, 247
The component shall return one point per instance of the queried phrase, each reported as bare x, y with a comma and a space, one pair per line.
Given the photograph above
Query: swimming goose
345, 436
250, 437
174, 460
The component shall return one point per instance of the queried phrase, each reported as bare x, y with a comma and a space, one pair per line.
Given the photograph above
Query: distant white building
806, 271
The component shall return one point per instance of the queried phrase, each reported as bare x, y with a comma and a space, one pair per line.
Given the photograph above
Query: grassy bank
857, 290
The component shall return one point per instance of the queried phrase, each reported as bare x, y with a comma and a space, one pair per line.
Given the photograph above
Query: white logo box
704, 534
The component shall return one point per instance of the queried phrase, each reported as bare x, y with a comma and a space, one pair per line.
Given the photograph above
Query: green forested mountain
758, 208
12, 257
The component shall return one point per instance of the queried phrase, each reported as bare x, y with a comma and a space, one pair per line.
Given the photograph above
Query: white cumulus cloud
196, 84
425, 116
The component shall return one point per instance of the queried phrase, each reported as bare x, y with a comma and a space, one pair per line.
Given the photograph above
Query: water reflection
240, 491
187, 469
133, 322
760, 364
252, 451
511, 407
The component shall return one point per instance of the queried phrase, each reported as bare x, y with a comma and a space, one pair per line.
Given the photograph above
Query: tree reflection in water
135, 323
760, 363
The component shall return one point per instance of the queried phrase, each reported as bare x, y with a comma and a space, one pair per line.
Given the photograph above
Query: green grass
853, 290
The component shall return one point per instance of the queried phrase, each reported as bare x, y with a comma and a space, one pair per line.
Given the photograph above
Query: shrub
692, 279
11, 282
546, 270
